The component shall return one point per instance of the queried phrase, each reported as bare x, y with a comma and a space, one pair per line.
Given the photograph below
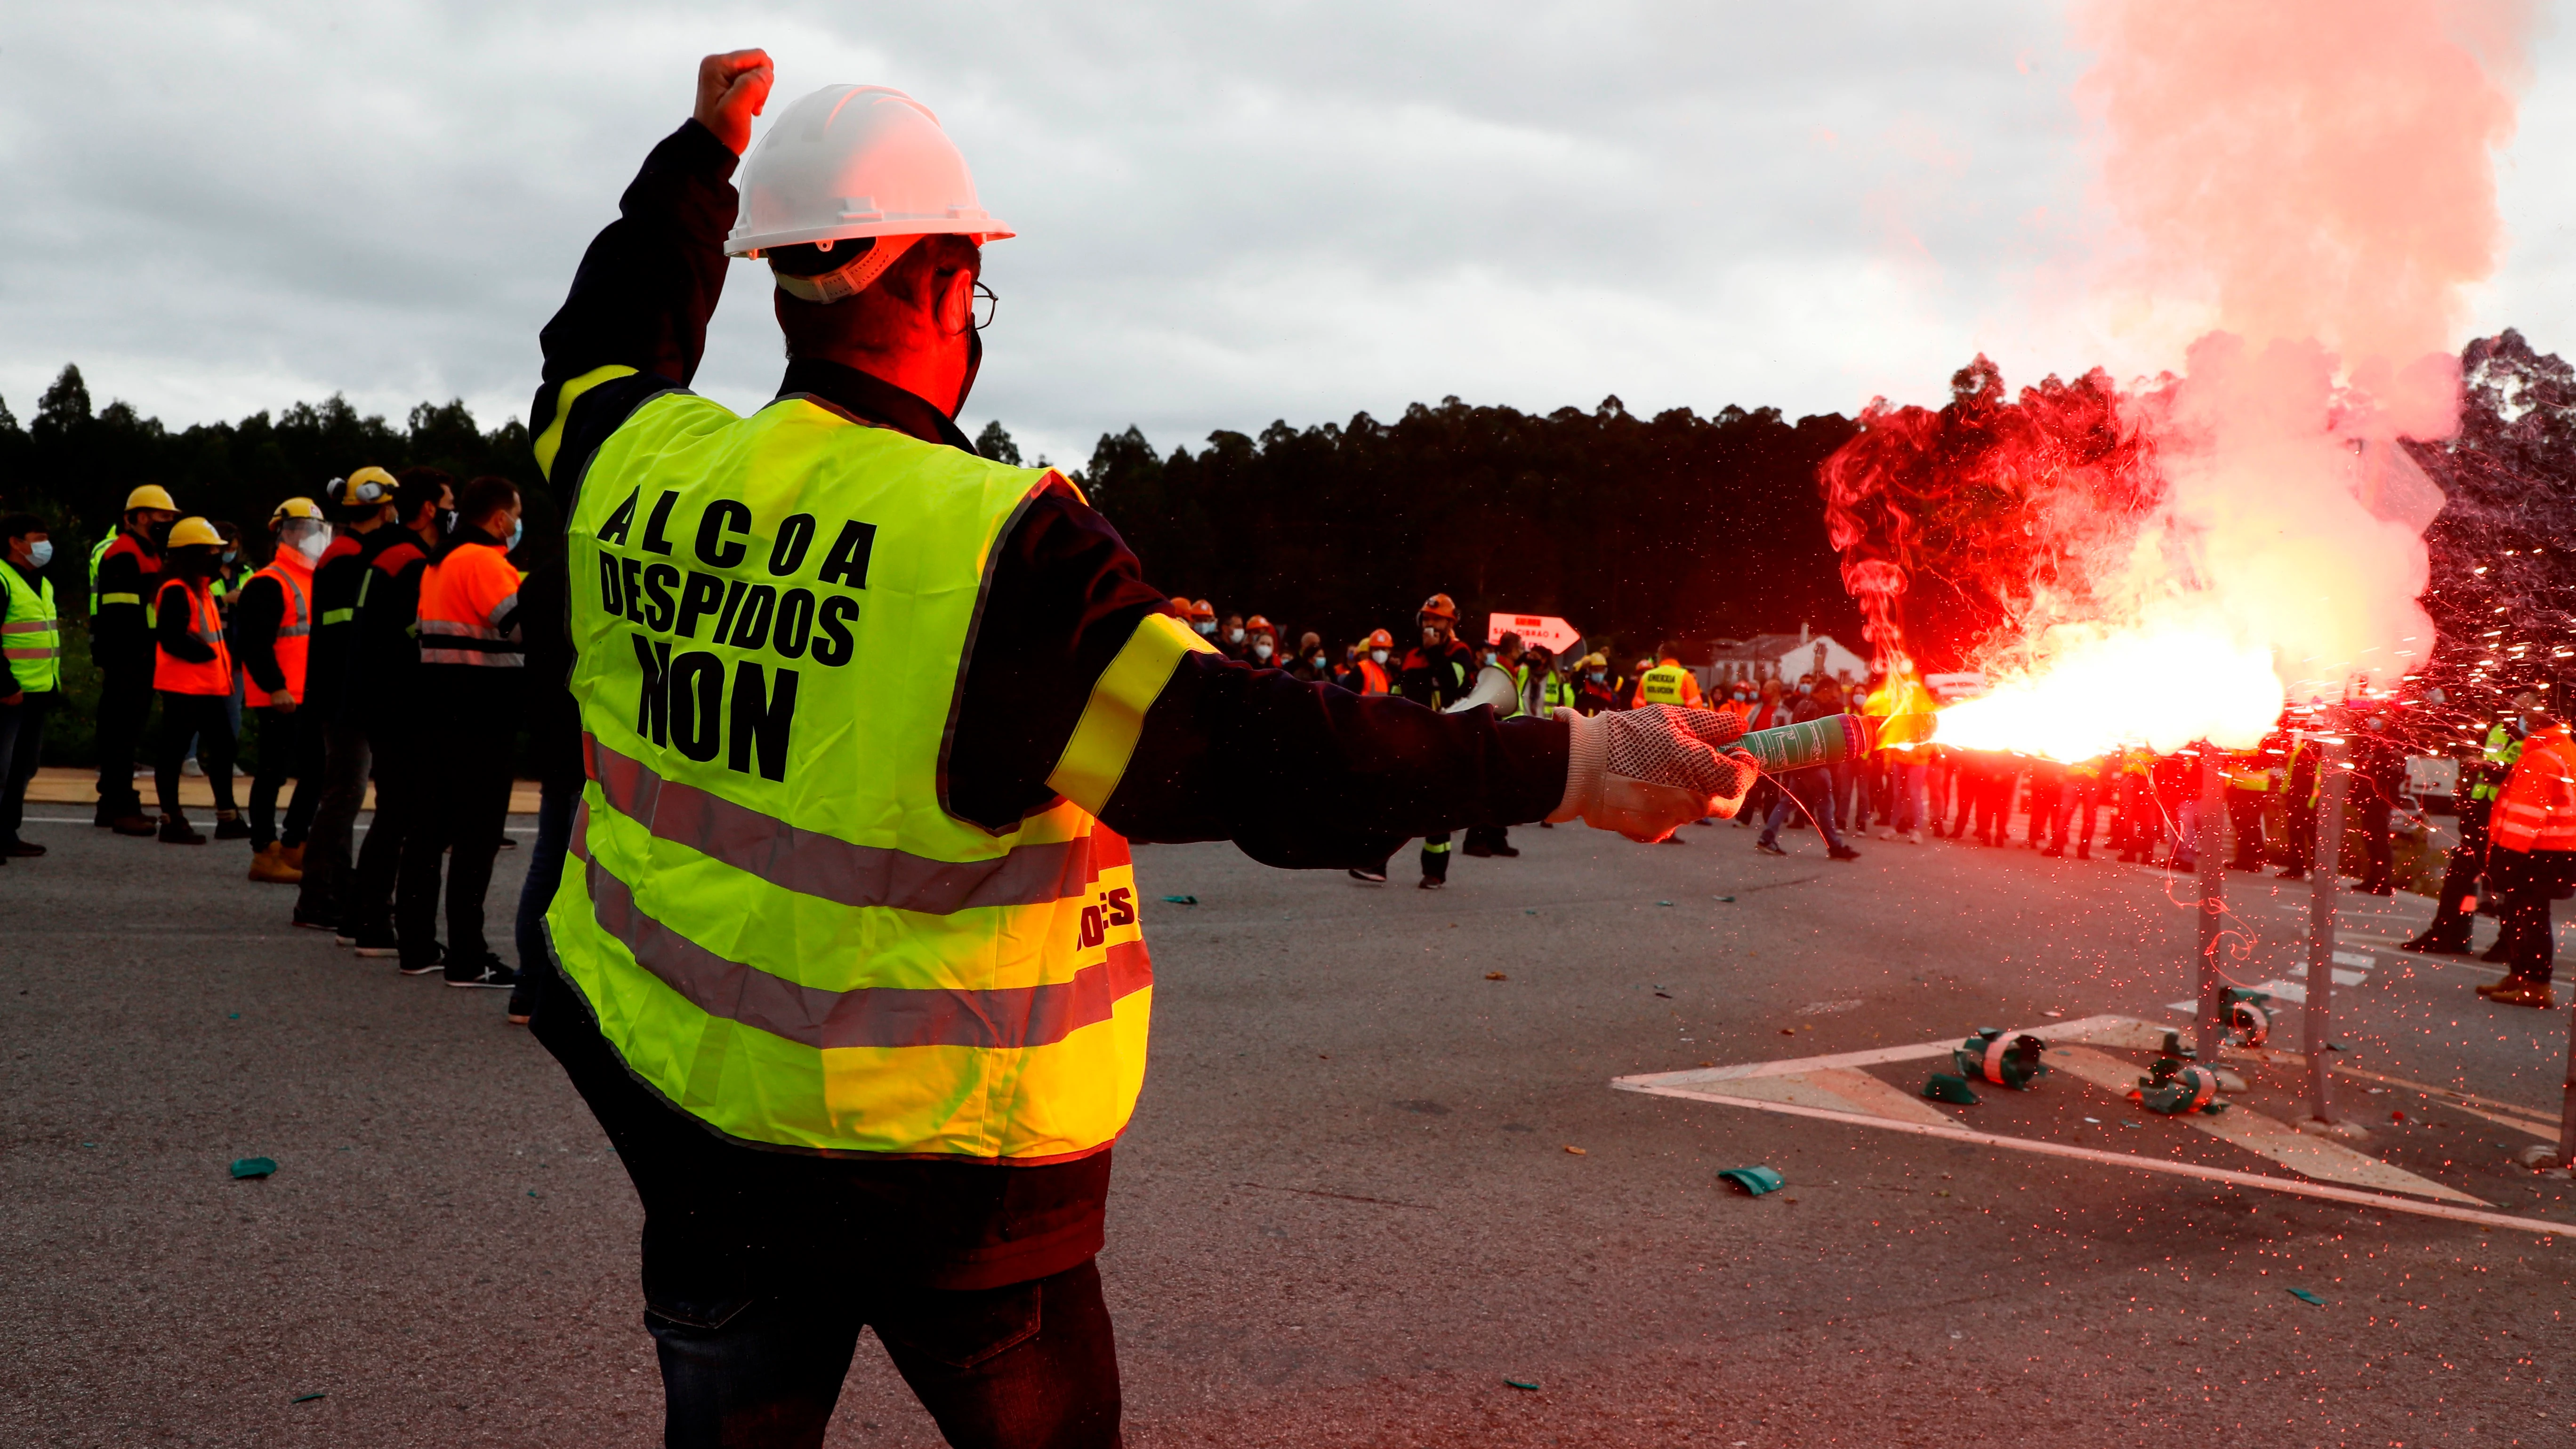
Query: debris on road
1182, 900
1496, 976
2177, 1089
1522, 1384
253, 1166
1754, 1181
2304, 1296
306, 1398
1990, 1056
1577, 1151
1943, 1087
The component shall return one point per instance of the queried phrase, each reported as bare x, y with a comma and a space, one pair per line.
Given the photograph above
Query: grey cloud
1227, 213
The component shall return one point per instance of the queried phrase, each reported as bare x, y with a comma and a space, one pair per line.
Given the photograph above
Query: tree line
1634, 528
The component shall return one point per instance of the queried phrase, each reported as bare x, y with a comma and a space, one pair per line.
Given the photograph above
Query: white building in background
1784, 657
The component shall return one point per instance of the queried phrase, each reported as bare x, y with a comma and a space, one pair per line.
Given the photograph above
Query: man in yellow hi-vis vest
847, 956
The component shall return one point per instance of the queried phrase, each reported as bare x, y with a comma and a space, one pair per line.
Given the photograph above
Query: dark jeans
1803, 789
394, 751
464, 804
22, 745
337, 791
205, 718
2453, 921
2528, 882
2372, 817
2245, 817
555, 809
1034, 1364
760, 1267
290, 745
124, 703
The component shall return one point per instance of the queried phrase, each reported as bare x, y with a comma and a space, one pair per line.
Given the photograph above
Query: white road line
2285, 1185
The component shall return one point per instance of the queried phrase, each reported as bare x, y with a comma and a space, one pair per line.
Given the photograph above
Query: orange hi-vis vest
2537, 810
469, 609
181, 676
294, 622
1373, 678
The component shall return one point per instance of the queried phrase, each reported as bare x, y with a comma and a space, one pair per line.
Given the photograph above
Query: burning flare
2176, 560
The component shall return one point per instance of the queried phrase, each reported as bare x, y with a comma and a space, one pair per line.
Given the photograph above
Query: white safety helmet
856, 161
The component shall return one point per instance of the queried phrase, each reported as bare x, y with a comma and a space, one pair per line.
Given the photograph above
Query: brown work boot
293, 855
136, 824
270, 865
2520, 991
175, 830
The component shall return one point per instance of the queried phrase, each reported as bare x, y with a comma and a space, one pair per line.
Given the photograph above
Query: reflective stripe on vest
777, 923
294, 626
188, 676
30, 633
97, 552
1661, 684
453, 630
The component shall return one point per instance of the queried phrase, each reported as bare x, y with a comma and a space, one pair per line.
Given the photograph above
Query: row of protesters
1808, 791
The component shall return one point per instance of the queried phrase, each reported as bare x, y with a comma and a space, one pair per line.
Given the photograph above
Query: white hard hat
856, 161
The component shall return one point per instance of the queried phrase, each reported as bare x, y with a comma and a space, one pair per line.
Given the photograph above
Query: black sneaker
375, 941
1842, 852
1769, 847
235, 828
305, 922
488, 972
421, 960
1368, 877
1431, 883
1478, 851
174, 830
1509, 851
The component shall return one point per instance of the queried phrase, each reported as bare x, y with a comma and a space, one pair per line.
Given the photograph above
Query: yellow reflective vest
773, 916
1663, 684
31, 634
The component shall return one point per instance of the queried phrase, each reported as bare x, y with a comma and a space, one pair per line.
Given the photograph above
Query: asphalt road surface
1350, 1208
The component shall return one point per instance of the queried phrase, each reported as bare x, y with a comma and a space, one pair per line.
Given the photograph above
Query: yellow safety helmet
150, 495
1595, 660
294, 508
193, 532
367, 485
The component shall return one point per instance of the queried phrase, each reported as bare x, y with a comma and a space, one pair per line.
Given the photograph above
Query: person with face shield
271, 638
124, 579
193, 673
31, 668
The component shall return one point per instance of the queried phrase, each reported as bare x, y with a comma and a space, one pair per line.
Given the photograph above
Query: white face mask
1234, 636
1319, 661
40, 554
1206, 626
1261, 650
1377, 656
312, 544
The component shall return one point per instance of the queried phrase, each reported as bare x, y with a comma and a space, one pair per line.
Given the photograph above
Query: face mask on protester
1598, 676
312, 544
1430, 634
1319, 661
1206, 627
1377, 656
447, 520
1234, 636
230, 554
518, 530
1261, 650
40, 553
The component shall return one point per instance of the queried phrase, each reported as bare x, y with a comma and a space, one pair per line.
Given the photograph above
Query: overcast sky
1227, 213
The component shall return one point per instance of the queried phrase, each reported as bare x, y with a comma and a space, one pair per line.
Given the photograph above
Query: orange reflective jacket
295, 621
2537, 810
181, 676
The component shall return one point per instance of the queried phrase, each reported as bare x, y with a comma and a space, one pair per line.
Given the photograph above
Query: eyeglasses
985, 305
